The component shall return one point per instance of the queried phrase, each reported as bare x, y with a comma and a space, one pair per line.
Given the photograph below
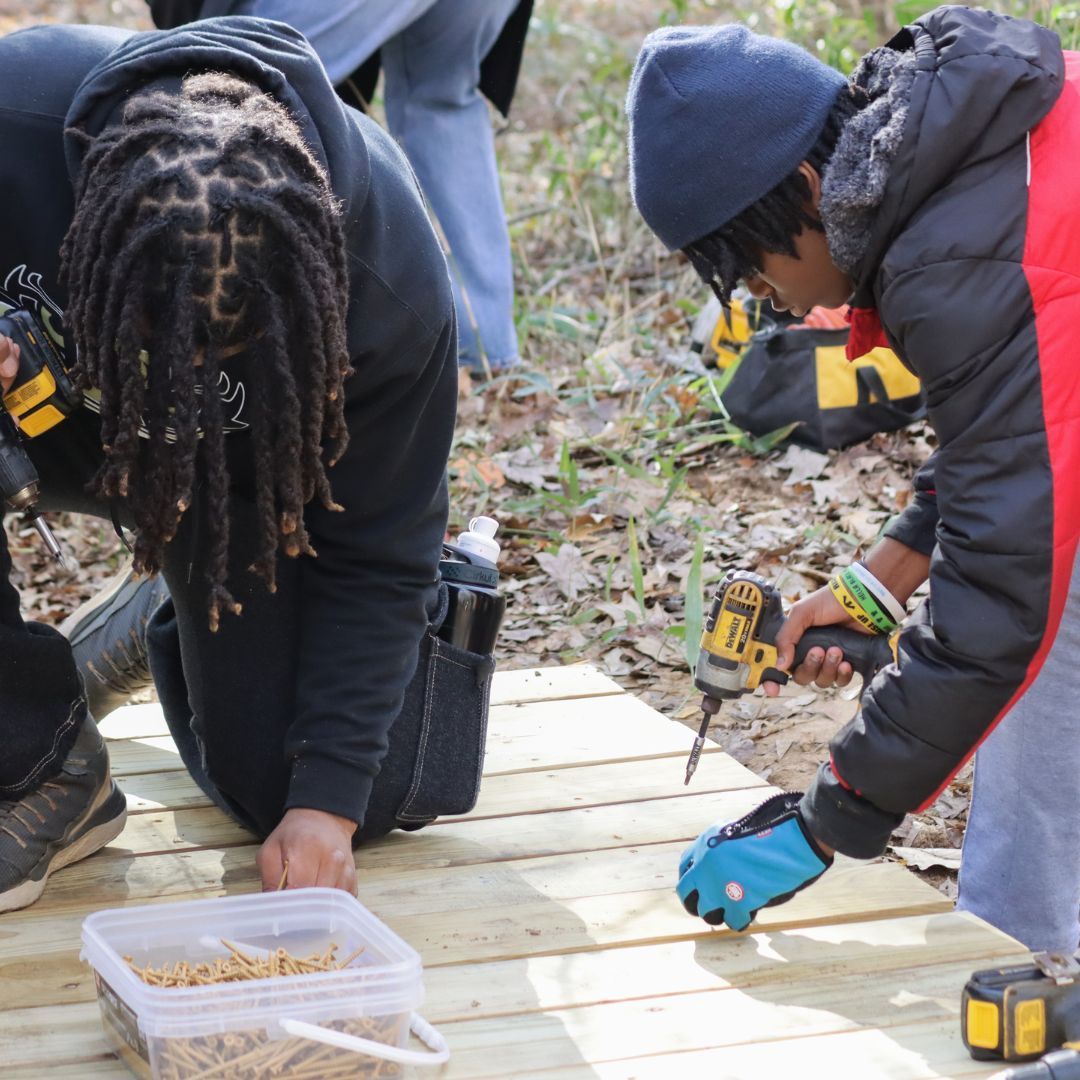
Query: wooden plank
540, 888
523, 738
711, 962
609, 1031
556, 905
547, 684
652, 915
566, 1038
468, 840
908, 1052
518, 687
708, 961
929, 1051
133, 757
170, 790
508, 794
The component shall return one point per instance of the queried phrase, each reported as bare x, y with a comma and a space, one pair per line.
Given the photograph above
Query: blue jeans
431, 53
1021, 862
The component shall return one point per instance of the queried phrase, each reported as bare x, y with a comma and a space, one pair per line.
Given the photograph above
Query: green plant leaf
695, 603
636, 574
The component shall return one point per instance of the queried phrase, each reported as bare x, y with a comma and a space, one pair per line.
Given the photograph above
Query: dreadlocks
204, 225
730, 253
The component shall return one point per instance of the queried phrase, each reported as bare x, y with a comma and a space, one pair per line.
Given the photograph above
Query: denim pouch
436, 754
453, 733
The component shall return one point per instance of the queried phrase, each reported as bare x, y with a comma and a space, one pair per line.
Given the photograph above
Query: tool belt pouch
437, 742
798, 375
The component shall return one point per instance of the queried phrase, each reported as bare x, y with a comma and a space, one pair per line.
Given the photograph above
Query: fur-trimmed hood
956, 87
855, 179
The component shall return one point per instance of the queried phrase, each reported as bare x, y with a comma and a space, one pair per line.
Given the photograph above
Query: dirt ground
619, 486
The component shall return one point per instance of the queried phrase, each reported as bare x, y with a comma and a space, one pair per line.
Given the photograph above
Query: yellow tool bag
779, 373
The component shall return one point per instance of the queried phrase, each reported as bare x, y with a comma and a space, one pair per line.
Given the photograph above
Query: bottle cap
478, 539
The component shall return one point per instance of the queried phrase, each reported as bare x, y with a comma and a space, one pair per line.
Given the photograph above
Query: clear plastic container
261, 1027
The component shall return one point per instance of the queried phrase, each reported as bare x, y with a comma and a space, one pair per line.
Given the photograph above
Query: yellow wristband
851, 606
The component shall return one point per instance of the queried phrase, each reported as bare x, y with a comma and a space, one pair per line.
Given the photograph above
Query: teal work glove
732, 871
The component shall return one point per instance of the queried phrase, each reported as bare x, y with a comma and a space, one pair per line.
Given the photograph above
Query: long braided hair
203, 225
730, 254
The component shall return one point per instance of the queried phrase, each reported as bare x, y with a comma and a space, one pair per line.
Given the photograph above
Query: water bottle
469, 568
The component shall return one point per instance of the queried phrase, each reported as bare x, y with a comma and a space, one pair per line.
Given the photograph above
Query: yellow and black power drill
41, 396
1026, 1013
738, 647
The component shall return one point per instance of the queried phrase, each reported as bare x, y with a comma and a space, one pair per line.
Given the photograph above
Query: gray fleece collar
853, 185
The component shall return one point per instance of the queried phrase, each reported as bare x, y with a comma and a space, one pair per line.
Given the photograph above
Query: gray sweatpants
1021, 862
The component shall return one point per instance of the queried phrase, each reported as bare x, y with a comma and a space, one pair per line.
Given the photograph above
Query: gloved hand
732, 871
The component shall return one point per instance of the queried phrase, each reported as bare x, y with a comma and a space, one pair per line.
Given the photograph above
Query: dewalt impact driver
1021, 1013
41, 396
738, 647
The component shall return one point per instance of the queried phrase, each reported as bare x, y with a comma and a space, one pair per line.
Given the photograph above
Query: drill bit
48, 538
709, 708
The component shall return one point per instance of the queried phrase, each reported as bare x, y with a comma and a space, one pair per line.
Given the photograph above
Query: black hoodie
368, 593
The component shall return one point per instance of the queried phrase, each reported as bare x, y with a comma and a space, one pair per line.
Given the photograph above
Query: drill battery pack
43, 394
1019, 1013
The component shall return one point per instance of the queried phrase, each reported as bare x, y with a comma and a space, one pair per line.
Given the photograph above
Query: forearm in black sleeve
971, 650
916, 525
370, 591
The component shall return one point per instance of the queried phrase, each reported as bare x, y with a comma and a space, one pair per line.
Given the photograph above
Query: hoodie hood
976, 84
268, 54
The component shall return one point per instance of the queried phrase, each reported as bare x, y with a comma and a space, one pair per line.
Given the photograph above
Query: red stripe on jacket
1052, 268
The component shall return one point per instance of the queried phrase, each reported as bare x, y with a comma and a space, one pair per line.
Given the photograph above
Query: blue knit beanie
718, 117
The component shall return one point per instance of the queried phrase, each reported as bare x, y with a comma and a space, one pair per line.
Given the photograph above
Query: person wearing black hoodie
937, 191
241, 271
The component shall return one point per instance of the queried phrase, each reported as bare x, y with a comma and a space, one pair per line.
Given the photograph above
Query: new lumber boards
485, 839
512, 793
552, 940
562, 904
928, 1051
533, 736
696, 1021
515, 687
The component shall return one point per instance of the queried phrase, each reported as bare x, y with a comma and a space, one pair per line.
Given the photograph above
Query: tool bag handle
439, 1054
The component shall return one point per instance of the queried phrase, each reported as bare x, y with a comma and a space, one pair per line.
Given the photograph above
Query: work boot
108, 640
64, 819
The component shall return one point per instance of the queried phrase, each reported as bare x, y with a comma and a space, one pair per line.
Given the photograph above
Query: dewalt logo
732, 635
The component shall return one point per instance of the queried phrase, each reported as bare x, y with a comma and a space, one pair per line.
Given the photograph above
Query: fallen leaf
804, 464
925, 858
568, 570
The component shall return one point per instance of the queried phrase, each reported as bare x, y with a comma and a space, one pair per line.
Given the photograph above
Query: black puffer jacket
973, 269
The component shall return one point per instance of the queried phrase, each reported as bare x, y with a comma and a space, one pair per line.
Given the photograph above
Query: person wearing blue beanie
938, 192
729, 131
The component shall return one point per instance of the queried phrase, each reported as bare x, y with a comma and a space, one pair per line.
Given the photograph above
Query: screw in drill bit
709, 708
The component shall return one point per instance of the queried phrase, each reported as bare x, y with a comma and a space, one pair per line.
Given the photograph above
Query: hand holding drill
9, 363
733, 870
37, 394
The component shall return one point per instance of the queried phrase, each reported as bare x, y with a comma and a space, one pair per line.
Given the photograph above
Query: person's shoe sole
103, 822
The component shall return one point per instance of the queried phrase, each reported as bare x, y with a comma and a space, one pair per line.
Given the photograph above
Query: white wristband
886, 598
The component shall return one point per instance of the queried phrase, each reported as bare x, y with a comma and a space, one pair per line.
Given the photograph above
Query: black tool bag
792, 374
436, 754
